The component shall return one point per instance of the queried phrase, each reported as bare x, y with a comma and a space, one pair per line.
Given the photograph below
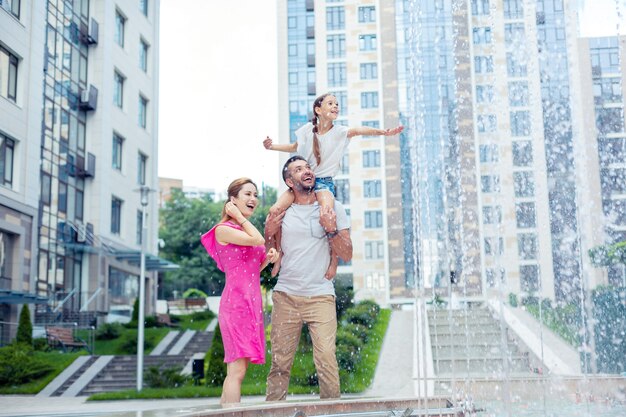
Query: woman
237, 248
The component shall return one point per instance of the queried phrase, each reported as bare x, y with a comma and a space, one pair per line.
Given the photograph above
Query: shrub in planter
358, 330
359, 315
129, 345
156, 377
25, 327
18, 365
214, 358
512, 300
108, 331
348, 350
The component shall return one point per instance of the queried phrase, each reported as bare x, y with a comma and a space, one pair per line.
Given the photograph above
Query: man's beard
305, 188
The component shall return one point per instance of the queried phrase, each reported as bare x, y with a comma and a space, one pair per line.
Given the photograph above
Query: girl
323, 145
237, 248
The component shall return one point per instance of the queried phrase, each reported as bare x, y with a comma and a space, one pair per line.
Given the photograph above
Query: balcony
88, 98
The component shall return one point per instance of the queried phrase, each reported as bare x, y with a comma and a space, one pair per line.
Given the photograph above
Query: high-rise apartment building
484, 190
78, 124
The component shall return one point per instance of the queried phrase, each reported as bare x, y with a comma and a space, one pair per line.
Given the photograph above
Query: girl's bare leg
326, 199
283, 203
235, 372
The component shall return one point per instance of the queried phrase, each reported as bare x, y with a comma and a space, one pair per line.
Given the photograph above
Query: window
515, 67
342, 99
484, 93
143, 6
524, 184
518, 93
374, 249
488, 153
369, 100
371, 159
138, 238
481, 35
373, 219
486, 123
337, 74
8, 74
292, 23
116, 215
480, 7
525, 215
610, 120
367, 43
494, 246
490, 183
116, 161
62, 204
529, 278
520, 123
483, 64
336, 46
367, 14
78, 204
143, 111
372, 123
522, 153
142, 162
143, 55
335, 18
492, 214
513, 9
7, 151
345, 164
120, 22
372, 189
11, 6
293, 78
527, 246
118, 89
369, 71
342, 191
46, 188
514, 34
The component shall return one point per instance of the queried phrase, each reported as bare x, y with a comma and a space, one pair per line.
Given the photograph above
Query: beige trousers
288, 314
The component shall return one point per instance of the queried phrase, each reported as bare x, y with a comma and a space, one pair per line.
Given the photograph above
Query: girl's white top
333, 144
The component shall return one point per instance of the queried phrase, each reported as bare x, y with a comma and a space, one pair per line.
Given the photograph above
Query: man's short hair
286, 166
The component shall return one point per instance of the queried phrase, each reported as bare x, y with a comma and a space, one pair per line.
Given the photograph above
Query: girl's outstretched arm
292, 147
372, 131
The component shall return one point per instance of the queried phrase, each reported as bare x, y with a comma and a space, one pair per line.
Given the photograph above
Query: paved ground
392, 380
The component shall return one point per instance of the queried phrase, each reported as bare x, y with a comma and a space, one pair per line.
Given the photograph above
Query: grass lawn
303, 368
59, 361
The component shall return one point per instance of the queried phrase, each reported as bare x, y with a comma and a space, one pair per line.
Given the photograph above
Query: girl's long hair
314, 120
233, 191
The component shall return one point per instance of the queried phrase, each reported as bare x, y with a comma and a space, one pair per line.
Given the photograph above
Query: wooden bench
64, 337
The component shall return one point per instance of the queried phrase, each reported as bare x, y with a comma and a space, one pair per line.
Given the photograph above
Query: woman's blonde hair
233, 191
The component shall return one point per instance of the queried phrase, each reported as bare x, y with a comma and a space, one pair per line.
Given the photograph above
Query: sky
218, 87
218, 93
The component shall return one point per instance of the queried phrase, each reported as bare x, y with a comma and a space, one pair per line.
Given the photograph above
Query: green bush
25, 327
40, 344
348, 350
18, 365
134, 318
609, 310
214, 358
156, 377
202, 315
530, 300
129, 345
363, 315
344, 299
108, 331
358, 330
194, 293
512, 300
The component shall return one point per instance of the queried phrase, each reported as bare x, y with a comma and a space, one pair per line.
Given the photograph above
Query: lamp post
144, 190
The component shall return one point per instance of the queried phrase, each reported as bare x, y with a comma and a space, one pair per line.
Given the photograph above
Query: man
302, 294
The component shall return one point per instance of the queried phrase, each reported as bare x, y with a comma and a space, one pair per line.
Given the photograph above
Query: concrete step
479, 366
462, 350
74, 377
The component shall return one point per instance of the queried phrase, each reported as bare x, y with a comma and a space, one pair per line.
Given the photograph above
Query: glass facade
63, 153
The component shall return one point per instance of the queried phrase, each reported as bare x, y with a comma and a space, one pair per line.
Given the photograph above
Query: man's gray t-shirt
306, 251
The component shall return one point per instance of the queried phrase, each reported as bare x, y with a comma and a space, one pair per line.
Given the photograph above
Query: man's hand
272, 224
328, 219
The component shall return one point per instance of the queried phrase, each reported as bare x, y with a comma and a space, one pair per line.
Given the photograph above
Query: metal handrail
64, 300
84, 307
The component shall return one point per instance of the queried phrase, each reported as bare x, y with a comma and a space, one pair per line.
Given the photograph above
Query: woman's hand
272, 255
268, 143
233, 211
394, 131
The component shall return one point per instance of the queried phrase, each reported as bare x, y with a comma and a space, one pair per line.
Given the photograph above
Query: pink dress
241, 307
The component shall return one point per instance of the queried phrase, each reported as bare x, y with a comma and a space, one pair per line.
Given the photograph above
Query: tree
606, 255
183, 221
25, 327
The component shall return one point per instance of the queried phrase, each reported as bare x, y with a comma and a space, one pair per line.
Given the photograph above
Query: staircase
469, 343
121, 372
